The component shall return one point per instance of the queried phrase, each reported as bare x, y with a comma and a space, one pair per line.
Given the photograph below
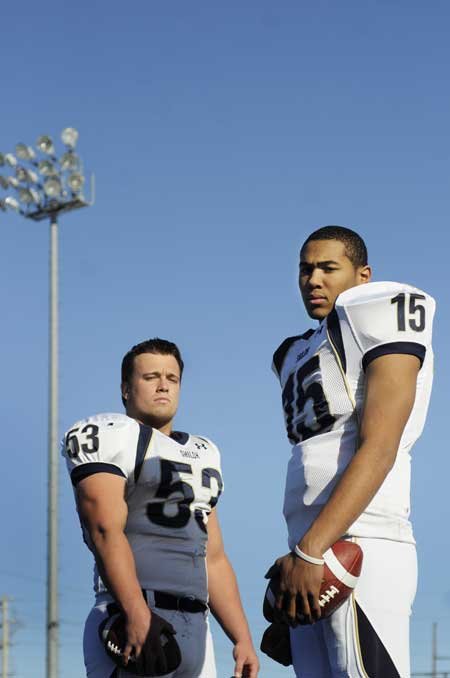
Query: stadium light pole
44, 187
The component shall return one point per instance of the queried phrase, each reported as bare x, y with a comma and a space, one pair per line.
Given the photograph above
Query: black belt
167, 601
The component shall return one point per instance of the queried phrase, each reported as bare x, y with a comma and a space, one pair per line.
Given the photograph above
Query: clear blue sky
220, 135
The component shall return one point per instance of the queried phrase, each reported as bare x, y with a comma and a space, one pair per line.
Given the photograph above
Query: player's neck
163, 427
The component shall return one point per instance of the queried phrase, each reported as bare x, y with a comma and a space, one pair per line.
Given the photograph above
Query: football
160, 654
343, 562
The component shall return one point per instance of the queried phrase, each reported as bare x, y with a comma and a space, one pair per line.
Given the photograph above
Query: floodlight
12, 203
69, 137
47, 168
26, 175
45, 188
21, 173
69, 161
32, 177
26, 196
35, 195
76, 182
52, 187
45, 145
10, 160
25, 152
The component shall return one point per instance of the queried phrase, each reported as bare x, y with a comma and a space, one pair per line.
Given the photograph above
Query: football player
146, 498
355, 393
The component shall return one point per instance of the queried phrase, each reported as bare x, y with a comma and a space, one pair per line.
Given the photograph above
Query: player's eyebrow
156, 373
328, 262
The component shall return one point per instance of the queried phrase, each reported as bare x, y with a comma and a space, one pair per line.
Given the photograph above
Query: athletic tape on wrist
309, 559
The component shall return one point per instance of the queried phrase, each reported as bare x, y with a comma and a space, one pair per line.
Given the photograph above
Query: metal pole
53, 451
5, 640
434, 651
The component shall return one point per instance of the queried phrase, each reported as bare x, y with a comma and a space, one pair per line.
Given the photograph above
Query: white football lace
114, 648
328, 595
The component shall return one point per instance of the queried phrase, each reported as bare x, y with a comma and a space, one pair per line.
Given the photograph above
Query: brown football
343, 562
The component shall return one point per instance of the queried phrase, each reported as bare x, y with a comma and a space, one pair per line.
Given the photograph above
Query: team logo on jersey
303, 353
190, 454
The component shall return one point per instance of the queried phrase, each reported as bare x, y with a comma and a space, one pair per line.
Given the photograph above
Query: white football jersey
322, 376
172, 484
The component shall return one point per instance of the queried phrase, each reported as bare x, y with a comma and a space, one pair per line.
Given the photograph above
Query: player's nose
316, 278
163, 384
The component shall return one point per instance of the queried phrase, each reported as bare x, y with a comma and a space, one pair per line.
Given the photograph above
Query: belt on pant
167, 601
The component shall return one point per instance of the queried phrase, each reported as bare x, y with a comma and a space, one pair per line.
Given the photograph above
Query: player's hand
299, 590
247, 663
137, 627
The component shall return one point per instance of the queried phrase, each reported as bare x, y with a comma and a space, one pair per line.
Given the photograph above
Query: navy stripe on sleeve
80, 472
145, 435
404, 347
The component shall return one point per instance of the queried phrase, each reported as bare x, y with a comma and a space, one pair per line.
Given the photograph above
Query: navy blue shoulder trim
89, 469
335, 334
180, 437
405, 347
145, 435
280, 353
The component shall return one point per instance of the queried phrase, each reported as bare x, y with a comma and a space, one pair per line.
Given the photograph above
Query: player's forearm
225, 601
116, 564
360, 482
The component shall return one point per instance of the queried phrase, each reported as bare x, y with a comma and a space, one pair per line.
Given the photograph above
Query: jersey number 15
416, 319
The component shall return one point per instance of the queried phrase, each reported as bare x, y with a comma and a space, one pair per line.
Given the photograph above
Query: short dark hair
355, 247
156, 345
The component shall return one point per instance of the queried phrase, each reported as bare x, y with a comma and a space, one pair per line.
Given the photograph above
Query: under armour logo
201, 446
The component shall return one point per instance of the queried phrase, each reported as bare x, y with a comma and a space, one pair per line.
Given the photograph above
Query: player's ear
124, 390
364, 274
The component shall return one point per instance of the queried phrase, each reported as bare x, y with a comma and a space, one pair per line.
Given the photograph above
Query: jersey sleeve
103, 443
388, 318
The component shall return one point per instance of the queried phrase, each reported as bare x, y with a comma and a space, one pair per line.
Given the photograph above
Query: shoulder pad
106, 419
387, 318
374, 291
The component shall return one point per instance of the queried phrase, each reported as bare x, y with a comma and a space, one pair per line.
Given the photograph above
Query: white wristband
309, 559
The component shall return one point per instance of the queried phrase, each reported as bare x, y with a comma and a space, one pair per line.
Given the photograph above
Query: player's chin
158, 418
317, 312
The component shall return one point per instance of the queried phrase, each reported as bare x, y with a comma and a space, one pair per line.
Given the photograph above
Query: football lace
115, 649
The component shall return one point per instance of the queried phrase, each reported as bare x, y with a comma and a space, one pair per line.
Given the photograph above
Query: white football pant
368, 637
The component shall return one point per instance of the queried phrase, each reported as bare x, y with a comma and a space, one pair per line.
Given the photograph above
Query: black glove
276, 643
160, 653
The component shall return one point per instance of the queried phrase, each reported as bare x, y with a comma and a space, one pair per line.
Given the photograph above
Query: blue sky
220, 135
